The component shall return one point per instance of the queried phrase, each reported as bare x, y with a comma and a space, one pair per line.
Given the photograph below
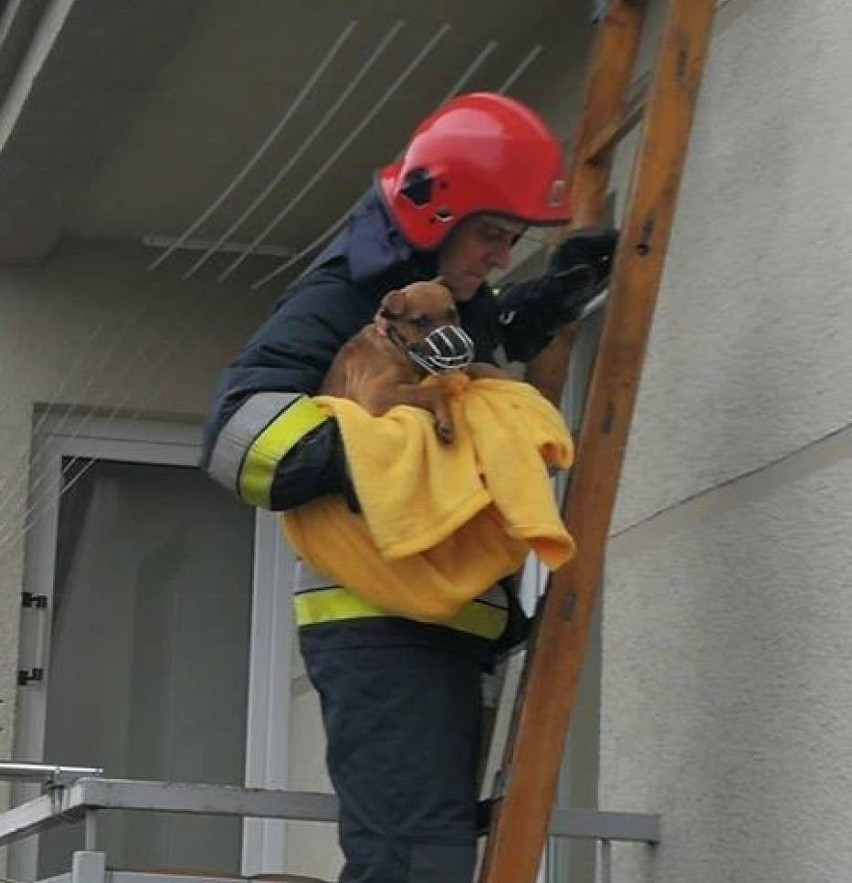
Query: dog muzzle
447, 348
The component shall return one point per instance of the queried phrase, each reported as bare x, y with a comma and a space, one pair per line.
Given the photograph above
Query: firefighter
401, 699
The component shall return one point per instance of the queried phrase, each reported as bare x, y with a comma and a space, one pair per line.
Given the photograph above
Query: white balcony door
165, 642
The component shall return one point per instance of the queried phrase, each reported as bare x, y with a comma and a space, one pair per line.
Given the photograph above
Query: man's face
478, 246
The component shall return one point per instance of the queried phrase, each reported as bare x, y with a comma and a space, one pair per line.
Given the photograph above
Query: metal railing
50, 775
74, 794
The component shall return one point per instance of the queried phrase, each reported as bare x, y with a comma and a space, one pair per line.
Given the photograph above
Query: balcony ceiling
123, 120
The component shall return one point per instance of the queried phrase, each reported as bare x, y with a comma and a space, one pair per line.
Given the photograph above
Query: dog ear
393, 305
439, 280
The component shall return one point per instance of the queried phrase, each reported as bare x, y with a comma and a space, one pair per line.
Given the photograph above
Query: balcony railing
73, 794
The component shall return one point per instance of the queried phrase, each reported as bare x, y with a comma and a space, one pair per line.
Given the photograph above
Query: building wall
91, 328
727, 670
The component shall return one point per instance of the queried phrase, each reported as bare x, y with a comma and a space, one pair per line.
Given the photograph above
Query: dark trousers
403, 731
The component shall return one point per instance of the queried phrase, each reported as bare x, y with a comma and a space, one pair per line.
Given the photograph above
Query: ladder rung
611, 133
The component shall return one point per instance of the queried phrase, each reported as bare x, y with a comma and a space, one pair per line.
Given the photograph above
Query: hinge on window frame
26, 677
29, 600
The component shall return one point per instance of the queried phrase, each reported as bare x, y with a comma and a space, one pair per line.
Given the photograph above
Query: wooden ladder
533, 756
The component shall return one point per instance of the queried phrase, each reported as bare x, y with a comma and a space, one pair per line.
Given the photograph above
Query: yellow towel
441, 523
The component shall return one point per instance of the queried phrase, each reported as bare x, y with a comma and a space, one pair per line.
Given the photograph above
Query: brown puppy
374, 367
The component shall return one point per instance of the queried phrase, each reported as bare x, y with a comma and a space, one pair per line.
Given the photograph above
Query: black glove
344, 476
314, 466
530, 313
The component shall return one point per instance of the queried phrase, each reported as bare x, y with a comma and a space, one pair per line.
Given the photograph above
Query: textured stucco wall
727, 704
748, 352
92, 328
728, 677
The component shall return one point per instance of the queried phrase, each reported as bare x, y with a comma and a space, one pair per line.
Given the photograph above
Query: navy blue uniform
400, 698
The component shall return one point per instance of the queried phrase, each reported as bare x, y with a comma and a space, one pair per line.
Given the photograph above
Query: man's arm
265, 437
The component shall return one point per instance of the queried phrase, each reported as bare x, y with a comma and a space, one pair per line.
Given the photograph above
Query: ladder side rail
607, 89
611, 64
609, 135
610, 70
520, 829
611, 67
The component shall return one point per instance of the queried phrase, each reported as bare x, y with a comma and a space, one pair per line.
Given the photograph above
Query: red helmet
479, 153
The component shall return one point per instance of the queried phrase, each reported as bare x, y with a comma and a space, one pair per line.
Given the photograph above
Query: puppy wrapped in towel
453, 483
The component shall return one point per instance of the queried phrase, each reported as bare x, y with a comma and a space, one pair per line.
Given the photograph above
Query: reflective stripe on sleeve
336, 604
253, 441
262, 458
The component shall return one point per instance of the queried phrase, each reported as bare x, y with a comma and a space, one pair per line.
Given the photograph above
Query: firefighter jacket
267, 440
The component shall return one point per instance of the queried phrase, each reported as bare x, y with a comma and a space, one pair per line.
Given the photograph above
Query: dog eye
421, 321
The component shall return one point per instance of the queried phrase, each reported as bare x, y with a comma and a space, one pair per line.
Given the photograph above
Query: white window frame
271, 637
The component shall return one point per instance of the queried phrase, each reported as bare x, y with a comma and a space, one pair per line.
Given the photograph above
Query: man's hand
580, 267
532, 312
